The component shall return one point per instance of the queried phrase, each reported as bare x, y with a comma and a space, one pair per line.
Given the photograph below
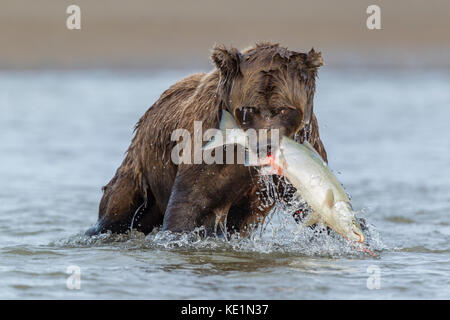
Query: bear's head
267, 86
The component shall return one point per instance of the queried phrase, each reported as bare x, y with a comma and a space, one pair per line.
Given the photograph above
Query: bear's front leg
202, 195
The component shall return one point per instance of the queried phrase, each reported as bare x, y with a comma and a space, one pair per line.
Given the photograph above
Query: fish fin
226, 122
329, 198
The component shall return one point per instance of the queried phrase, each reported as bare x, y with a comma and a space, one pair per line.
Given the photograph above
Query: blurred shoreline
157, 34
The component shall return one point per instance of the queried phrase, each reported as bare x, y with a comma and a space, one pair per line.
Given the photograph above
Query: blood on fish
272, 163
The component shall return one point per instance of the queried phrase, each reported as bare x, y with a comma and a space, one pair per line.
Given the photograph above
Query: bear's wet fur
265, 86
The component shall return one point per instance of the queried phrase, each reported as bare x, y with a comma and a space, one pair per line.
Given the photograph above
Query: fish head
357, 231
341, 219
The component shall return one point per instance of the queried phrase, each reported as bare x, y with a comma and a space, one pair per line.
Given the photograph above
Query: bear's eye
249, 110
246, 113
283, 110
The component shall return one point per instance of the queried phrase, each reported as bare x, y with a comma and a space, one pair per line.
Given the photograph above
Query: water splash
280, 234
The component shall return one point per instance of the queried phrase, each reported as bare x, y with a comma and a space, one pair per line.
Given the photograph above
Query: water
63, 134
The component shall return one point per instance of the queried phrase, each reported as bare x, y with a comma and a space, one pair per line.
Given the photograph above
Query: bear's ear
227, 62
314, 59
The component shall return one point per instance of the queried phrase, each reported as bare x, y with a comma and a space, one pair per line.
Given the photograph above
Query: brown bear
264, 87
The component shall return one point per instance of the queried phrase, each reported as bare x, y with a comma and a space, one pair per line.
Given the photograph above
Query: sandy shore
179, 34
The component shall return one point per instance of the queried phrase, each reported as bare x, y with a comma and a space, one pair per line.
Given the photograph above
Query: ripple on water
421, 249
399, 219
30, 251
